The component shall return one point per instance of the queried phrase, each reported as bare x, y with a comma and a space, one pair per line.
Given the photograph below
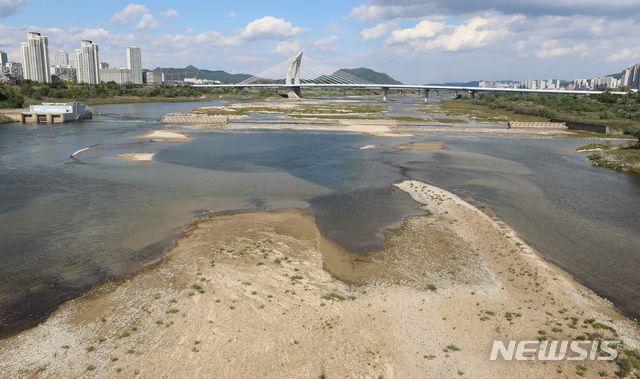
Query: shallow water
67, 223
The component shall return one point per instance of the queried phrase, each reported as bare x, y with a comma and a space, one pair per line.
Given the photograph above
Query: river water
68, 223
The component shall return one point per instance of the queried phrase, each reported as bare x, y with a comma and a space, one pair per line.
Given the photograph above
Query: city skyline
412, 41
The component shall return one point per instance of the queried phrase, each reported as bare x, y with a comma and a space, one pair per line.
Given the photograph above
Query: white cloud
288, 48
384, 10
551, 49
270, 27
129, 14
378, 31
429, 35
147, 22
420, 33
231, 15
330, 44
368, 13
169, 13
625, 53
212, 38
189, 30
10, 7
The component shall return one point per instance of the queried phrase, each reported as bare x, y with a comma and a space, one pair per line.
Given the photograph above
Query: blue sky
414, 41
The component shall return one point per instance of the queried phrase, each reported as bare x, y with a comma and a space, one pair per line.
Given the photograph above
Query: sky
414, 41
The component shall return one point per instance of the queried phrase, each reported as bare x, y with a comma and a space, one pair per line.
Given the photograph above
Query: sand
166, 136
266, 295
137, 157
422, 147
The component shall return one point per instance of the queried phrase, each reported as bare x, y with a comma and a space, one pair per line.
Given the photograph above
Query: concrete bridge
292, 75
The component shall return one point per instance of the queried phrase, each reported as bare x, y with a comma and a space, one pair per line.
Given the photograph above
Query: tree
636, 134
607, 97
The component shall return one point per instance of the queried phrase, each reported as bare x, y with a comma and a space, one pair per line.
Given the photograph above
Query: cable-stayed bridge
296, 73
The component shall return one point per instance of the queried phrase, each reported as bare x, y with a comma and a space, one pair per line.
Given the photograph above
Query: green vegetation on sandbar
466, 109
594, 146
620, 112
623, 158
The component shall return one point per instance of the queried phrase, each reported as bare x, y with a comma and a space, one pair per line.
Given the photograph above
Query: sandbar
165, 136
137, 157
422, 147
265, 294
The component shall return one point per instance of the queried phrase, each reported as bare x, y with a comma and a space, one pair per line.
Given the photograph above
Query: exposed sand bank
422, 147
166, 136
266, 295
137, 157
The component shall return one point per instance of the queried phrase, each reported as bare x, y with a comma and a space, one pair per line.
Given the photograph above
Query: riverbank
625, 157
266, 294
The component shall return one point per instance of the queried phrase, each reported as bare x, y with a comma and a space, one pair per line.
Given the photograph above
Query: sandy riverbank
266, 295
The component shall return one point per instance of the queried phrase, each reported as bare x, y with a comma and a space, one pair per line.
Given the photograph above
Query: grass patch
451, 121
453, 348
333, 296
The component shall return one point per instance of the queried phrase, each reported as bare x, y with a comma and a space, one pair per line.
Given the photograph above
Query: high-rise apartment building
35, 58
14, 68
3, 58
134, 63
61, 58
631, 77
87, 63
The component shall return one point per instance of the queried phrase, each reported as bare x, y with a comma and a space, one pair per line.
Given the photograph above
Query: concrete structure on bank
192, 119
536, 125
51, 113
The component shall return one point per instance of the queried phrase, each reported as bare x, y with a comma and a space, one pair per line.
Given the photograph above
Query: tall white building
87, 63
13, 68
134, 63
61, 58
631, 77
35, 58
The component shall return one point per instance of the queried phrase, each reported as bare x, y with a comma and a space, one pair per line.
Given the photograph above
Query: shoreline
260, 293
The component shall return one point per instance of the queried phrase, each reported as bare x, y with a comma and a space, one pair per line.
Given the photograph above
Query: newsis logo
554, 350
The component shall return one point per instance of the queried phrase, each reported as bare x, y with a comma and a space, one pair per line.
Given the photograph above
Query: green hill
225, 77
219, 75
370, 75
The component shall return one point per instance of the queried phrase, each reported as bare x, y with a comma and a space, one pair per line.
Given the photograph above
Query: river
68, 223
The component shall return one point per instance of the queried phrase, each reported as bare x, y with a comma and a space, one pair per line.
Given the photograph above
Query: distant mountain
191, 71
371, 76
225, 77
457, 84
617, 76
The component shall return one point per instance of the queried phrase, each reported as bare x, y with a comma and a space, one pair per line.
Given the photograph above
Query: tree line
16, 96
604, 106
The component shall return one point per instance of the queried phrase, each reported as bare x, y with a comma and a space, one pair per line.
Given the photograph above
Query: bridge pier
426, 96
473, 94
385, 90
294, 93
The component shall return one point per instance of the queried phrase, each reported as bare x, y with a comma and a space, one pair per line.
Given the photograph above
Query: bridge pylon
294, 92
